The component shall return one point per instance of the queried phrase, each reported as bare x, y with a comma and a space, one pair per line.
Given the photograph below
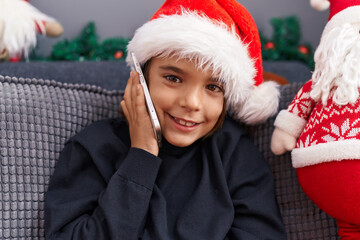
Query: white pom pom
320, 5
262, 103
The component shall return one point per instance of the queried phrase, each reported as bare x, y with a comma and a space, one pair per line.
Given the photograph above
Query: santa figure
322, 124
19, 24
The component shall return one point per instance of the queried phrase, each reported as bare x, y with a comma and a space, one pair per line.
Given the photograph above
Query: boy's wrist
140, 167
154, 150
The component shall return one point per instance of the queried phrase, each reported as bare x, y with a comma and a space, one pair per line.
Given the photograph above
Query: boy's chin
181, 141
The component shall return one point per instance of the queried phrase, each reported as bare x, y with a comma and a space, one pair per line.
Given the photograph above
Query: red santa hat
221, 34
341, 12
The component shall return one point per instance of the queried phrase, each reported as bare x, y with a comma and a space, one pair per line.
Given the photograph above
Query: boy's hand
134, 108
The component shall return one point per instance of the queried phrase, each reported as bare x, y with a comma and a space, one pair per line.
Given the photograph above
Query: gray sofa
42, 104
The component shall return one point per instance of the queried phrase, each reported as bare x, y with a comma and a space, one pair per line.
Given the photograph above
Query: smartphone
150, 106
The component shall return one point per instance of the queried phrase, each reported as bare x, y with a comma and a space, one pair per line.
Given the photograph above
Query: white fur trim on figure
325, 152
290, 123
348, 15
20, 19
213, 45
320, 5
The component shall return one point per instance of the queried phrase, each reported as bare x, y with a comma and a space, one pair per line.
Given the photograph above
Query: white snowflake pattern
341, 132
308, 142
301, 104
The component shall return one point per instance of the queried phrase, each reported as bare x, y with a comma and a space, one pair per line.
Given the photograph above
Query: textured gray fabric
37, 117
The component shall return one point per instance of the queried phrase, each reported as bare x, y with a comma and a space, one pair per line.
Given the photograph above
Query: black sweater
218, 188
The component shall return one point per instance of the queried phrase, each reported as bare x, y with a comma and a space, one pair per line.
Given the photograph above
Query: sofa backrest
38, 116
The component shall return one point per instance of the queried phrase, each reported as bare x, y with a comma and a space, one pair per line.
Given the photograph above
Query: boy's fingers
140, 100
133, 103
129, 93
125, 109
127, 90
138, 94
134, 92
134, 75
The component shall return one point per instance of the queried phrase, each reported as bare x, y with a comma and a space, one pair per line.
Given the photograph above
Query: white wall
120, 18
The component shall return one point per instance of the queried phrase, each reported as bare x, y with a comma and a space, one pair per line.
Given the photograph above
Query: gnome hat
341, 12
220, 34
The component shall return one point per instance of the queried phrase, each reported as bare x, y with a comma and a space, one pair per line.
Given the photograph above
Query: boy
207, 181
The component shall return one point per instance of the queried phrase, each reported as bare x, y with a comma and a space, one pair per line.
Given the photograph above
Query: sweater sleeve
81, 203
294, 118
251, 187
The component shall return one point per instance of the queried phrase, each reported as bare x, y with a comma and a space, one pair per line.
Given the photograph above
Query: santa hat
221, 34
341, 12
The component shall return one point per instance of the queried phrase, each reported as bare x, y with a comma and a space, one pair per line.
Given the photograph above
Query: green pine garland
285, 42
283, 45
86, 47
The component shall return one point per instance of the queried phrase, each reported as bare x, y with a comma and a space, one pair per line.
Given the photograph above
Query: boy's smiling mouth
184, 122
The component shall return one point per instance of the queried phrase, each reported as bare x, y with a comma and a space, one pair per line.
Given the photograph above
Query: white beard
337, 66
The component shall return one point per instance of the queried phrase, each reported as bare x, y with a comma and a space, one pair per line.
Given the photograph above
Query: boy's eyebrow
173, 68
216, 80
181, 71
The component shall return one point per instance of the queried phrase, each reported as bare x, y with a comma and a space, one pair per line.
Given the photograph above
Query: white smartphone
150, 106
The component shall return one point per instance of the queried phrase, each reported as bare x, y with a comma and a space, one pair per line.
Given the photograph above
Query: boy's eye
215, 88
172, 78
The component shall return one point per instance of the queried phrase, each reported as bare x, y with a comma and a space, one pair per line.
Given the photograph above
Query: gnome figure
322, 124
19, 24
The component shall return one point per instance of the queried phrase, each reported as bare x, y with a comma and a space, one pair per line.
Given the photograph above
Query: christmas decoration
321, 125
285, 42
86, 47
19, 23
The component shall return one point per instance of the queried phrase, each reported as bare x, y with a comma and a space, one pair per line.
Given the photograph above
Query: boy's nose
191, 99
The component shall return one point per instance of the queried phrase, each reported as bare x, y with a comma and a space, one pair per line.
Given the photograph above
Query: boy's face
188, 101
